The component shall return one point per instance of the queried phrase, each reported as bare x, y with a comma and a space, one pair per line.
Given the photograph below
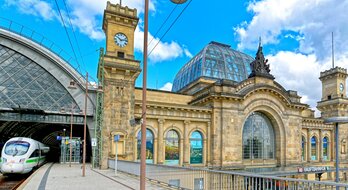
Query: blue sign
116, 138
59, 138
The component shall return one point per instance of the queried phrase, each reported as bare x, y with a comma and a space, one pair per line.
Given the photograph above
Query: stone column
181, 151
186, 144
309, 145
208, 147
160, 150
204, 152
155, 142
320, 143
135, 148
332, 146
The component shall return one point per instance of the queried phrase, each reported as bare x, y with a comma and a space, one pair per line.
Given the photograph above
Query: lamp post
84, 131
71, 130
71, 86
143, 125
336, 121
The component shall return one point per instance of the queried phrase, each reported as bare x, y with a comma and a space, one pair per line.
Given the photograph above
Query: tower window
329, 97
120, 54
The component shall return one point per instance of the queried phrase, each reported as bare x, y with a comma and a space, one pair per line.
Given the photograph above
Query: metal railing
32, 35
204, 179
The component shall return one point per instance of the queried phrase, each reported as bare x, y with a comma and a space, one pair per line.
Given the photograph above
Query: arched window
196, 149
172, 148
313, 148
149, 146
303, 144
325, 148
258, 137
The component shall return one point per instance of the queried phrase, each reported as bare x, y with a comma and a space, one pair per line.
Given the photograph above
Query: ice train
20, 155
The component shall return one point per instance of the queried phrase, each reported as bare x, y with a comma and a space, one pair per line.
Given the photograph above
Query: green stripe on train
32, 160
35, 159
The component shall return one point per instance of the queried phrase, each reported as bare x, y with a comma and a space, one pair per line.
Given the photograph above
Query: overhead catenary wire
170, 27
66, 31
164, 22
72, 27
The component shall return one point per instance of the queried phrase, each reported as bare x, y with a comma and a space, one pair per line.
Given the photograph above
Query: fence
204, 179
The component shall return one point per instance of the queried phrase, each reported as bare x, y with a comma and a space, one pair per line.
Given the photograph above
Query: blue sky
296, 35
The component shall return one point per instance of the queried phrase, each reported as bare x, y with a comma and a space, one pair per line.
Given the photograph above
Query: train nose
12, 168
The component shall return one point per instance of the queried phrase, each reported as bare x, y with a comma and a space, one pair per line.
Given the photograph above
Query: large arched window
149, 146
258, 137
303, 145
196, 149
172, 148
313, 148
325, 148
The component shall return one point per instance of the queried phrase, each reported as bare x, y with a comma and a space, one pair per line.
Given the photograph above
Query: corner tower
334, 100
118, 73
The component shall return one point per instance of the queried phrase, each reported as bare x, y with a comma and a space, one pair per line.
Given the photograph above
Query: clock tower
118, 73
334, 100
119, 24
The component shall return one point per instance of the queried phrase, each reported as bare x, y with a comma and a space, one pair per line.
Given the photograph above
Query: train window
36, 153
16, 148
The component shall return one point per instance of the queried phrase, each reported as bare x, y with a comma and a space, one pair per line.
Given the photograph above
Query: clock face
341, 87
121, 39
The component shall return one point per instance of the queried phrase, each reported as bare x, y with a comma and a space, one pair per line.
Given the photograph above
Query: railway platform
61, 176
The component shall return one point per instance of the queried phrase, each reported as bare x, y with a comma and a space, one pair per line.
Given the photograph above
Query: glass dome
217, 61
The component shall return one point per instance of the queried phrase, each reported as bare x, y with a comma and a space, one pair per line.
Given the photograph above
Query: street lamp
336, 121
143, 125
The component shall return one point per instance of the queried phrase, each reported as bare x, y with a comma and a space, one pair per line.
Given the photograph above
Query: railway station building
226, 110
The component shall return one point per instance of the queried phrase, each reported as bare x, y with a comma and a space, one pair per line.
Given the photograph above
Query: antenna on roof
333, 51
260, 44
120, 2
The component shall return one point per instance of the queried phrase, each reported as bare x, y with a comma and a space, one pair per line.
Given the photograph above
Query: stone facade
218, 109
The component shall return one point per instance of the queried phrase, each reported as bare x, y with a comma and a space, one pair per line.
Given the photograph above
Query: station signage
313, 169
94, 141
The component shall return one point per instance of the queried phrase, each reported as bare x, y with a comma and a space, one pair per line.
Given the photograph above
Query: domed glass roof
217, 61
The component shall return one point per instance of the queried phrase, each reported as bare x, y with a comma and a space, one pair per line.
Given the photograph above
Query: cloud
163, 51
34, 7
308, 22
312, 20
300, 72
167, 87
86, 15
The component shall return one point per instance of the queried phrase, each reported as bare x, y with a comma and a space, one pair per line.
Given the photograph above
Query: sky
296, 35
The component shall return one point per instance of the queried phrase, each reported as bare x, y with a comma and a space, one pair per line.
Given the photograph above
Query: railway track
11, 182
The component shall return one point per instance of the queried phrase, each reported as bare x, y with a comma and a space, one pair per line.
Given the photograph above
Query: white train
20, 155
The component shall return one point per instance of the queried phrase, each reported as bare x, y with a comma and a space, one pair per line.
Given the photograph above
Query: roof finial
259, 66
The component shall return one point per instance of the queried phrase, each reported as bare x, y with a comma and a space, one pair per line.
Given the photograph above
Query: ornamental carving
259, 66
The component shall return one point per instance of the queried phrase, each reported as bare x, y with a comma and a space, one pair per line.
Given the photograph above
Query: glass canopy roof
217, 61
25, 84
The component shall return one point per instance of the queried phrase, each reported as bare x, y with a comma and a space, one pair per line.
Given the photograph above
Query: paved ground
61, 176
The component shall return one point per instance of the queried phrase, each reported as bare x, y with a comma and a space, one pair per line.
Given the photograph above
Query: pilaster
160, 140
186, 143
